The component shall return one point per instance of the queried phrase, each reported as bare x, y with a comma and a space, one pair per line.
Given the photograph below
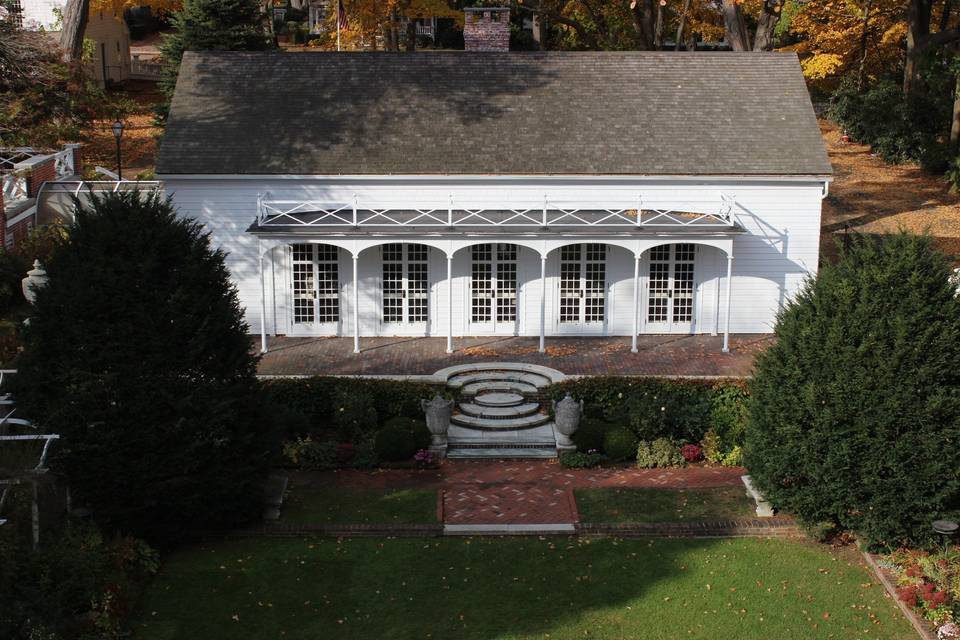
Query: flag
341, 16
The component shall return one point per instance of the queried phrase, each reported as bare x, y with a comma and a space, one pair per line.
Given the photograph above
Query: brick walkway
508, 504
521, 491
697, 355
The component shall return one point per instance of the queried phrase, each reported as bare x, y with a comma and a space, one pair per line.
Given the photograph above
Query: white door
405, 287
315, 289
493, 289
670, 289
583, 288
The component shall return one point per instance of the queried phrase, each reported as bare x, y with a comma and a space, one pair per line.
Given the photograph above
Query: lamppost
947, 529
117, 134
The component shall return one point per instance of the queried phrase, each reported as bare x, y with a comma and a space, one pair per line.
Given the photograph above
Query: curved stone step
499, 399
499, 413
502, 450
461, 379
500, 424
507, 386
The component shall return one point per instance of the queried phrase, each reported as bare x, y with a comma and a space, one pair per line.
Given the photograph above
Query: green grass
663, 505
309, 505
512, 588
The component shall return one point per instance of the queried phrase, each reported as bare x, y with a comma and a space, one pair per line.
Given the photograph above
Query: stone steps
534, 379
501, 386
498, 424
510, 450
495, 399
499, 413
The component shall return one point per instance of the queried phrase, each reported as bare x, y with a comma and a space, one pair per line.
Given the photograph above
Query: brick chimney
486, 29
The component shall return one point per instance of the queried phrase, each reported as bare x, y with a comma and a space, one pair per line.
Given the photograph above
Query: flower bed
929, 582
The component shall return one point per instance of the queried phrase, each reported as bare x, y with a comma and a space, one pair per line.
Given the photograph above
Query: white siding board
771, 260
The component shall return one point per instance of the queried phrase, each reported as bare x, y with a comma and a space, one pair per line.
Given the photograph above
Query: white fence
146, 68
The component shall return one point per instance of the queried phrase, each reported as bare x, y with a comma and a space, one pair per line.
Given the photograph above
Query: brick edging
920, 626
767, 527
280, 530
779, 527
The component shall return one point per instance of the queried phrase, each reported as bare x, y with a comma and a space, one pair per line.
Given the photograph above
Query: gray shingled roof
624, 113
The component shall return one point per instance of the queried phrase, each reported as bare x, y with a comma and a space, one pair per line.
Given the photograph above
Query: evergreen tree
137, 354
212, 25
855, 411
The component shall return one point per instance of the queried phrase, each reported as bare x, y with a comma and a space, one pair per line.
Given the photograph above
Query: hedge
681, 410
346, 408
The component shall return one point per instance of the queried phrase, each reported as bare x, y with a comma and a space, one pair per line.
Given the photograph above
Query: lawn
312, 505
663, 505
511, 588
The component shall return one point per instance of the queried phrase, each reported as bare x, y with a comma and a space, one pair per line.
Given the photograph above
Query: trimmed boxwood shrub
580, 460
855, 414
620, 444
400, 438
589, 435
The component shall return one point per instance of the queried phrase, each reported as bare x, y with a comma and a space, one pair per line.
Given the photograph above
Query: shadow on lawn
497, 588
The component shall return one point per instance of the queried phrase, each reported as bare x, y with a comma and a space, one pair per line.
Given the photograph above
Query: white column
543, 302
263, 306
726, 319
715, 329
449, 304
356, 305
636, 303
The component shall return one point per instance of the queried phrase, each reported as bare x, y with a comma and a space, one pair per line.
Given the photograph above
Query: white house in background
37, 14
534, 194
111, 48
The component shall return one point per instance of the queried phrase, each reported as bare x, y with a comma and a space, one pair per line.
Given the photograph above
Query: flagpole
338, 25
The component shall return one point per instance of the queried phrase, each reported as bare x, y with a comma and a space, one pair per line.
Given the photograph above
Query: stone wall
487, 29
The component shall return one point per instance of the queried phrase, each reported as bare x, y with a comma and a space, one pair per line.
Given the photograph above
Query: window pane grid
316, 283
405, 284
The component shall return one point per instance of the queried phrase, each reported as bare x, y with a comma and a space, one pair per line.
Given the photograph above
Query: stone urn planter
567, 414
438, 412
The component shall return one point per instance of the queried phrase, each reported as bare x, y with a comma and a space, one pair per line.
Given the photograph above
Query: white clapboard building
532, 194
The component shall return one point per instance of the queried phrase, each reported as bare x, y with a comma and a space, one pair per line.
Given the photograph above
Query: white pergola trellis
714, 214
636, 226
27, 474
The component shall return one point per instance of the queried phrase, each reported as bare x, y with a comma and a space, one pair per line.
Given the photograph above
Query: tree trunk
394, 31
75, 15
945, 16
864, 40
955, 123
767, 25
735, 26
411, 35
658, 29
918, 28
644, 21
681, 24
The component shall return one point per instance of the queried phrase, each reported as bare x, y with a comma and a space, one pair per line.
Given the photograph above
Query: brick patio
661, 355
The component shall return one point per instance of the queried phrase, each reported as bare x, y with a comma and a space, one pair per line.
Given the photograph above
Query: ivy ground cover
512, 588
